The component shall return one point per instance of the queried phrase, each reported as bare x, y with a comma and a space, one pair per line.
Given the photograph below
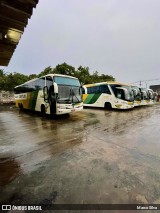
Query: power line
140, 81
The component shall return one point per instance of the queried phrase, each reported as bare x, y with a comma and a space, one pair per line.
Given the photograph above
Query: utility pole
145, 81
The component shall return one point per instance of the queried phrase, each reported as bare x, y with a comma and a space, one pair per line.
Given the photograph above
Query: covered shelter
14, 15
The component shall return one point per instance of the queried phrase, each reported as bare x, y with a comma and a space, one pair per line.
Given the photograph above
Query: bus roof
51, 75
106, 82
27, 82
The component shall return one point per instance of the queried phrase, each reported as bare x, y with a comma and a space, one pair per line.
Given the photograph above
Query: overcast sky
116, 37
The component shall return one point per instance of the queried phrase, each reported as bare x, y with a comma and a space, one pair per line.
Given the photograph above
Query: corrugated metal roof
14, 15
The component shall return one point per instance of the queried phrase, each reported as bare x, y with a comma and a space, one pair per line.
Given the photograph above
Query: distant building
156, 88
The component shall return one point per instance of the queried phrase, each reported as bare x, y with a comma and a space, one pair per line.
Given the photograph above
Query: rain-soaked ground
90, 157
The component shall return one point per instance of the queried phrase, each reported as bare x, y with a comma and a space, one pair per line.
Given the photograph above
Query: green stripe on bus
88, 99
92, 98
33, 100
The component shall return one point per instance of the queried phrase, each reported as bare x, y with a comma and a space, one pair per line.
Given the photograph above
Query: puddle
9, 170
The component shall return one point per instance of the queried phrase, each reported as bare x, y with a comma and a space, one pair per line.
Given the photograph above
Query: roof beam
13, 16
18, 6
8, 24
32, 2
7, 47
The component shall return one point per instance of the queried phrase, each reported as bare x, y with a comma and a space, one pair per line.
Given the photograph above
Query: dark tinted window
104, 89
41, 83
83, 90
30, 86
49, 81
98, 89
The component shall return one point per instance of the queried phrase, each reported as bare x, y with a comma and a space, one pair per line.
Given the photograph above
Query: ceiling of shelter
14, 15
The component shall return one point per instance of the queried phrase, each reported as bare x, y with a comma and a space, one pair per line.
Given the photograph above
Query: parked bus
108, 95
155, 94
143, 96
137, 96
50, 94
147, 96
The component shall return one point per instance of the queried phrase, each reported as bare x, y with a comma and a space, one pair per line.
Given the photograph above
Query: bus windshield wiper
75, 96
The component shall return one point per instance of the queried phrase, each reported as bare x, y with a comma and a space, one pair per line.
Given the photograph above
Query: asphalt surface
90, 157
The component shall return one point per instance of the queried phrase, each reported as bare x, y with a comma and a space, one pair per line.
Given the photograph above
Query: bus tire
43, 111
107, 106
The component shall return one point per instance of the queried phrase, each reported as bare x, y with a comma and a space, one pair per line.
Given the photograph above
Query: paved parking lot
93, 156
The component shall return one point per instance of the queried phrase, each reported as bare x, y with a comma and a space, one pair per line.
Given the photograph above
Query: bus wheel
43, 112
108, 106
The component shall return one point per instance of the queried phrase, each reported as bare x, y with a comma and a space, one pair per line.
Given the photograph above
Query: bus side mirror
55, 87
46, 94
81, 89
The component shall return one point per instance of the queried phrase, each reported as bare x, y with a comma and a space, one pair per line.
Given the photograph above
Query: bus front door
52, 100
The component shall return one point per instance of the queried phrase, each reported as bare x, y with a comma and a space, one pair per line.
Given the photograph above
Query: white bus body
50, 94
108, 95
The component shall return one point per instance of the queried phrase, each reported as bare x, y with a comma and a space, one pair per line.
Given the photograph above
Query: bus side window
96, 89
89, 90
49, 81
41, 82
36, 85
104, 89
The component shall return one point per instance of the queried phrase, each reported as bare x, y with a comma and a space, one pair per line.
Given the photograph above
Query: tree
14, 79
95, 78
9, 81
83, 75
2, 73
64, 69
106, 78
46, 71
2, 79
32, 76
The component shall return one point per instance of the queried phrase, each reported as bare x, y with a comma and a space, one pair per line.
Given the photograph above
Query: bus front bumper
68, 108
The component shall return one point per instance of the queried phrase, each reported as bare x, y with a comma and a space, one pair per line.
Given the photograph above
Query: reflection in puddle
9, 170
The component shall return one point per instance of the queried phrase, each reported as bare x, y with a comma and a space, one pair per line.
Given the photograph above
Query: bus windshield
137, 93
144, 93
66, 81
126, 95
69, 90
151, 94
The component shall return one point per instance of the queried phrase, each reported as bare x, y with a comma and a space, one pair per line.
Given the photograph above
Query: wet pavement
90, 157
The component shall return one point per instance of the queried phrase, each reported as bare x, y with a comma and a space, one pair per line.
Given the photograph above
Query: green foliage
46, 71
83, 75
64, 69
9, 81
14, 79
32, 76
2, 79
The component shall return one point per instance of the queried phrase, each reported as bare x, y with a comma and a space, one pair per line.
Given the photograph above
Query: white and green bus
51, 94
143, 96
147, 96
108, 95
137, 96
